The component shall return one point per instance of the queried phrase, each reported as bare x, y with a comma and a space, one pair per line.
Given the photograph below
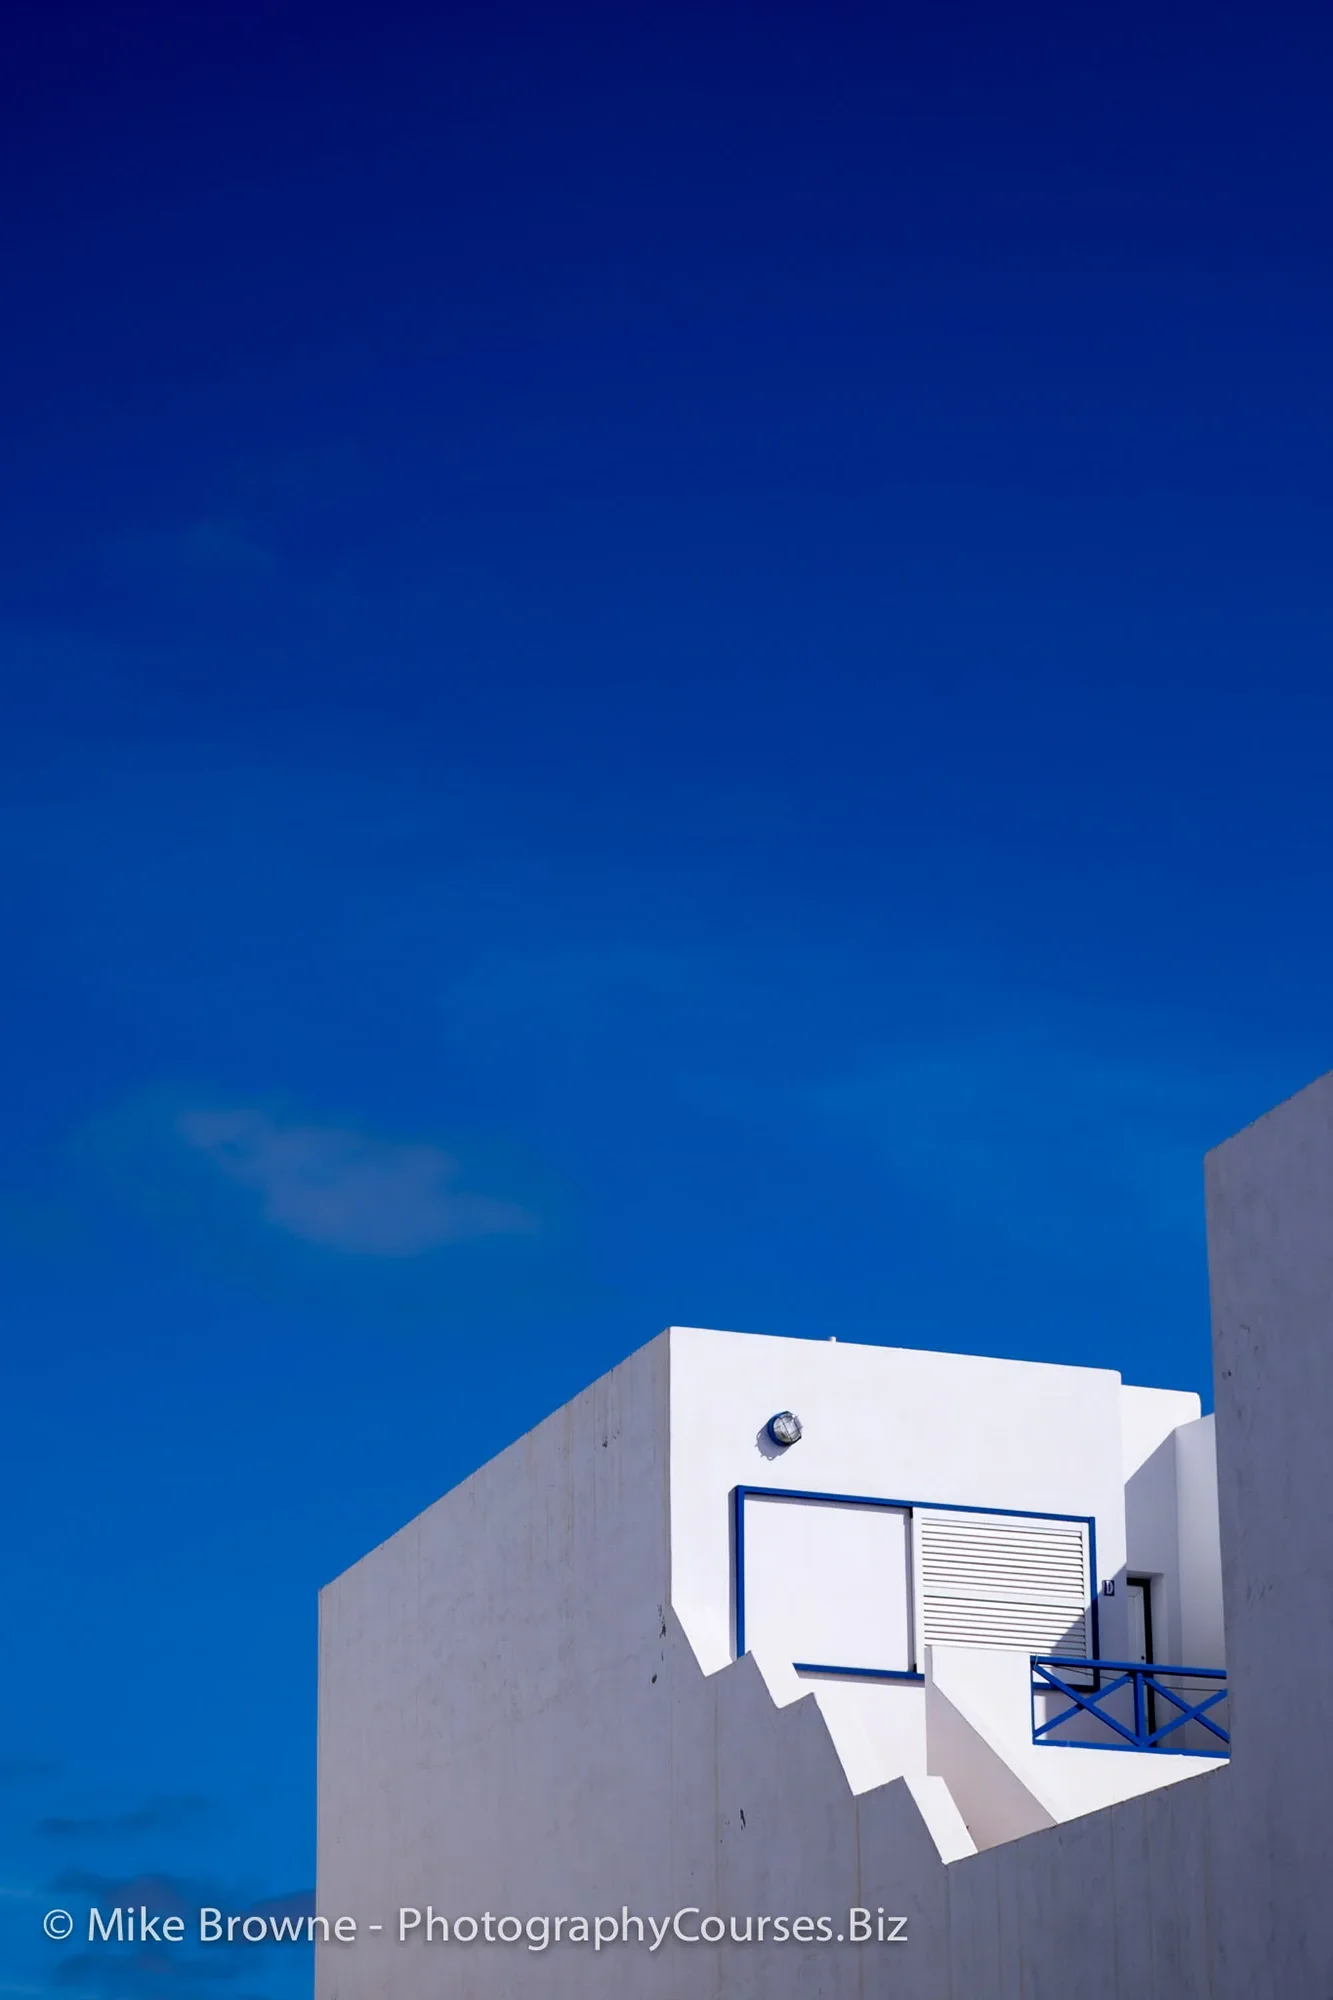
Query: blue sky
662, 664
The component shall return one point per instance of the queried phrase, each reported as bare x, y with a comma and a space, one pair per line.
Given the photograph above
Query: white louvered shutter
999, 1580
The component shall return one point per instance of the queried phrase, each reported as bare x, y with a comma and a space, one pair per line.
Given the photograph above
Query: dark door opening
1139, 1590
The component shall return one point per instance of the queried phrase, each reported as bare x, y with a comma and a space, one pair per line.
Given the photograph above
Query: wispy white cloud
349, 1190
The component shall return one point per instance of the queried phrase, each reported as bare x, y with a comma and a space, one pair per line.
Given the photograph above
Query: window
827, 1583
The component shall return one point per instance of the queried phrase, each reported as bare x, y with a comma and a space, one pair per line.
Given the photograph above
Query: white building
653, 1658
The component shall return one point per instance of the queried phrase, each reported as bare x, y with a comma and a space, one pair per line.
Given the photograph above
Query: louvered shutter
997, 1580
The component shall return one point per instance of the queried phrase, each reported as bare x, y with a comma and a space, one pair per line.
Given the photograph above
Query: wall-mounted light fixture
785, 1428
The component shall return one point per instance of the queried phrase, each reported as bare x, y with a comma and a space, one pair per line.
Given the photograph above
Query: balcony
1127, 1705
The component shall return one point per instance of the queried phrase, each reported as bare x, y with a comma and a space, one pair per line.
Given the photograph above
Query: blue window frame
741, 1494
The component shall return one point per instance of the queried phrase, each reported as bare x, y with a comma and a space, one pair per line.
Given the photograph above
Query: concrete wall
467, 1763
488, 1677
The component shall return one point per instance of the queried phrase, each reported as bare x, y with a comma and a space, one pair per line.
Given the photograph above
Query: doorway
1141, 1651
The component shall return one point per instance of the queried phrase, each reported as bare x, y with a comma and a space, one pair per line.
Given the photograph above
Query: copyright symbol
57, 1923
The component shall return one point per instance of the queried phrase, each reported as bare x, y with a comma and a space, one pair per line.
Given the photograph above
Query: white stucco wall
1147, 1419
903, 1424
886, 1422
1152, 1422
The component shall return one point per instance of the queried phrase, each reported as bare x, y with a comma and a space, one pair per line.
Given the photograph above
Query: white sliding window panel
828, 1583
1004, 1581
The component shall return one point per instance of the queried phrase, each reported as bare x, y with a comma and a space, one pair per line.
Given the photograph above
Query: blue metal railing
1141, 1730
